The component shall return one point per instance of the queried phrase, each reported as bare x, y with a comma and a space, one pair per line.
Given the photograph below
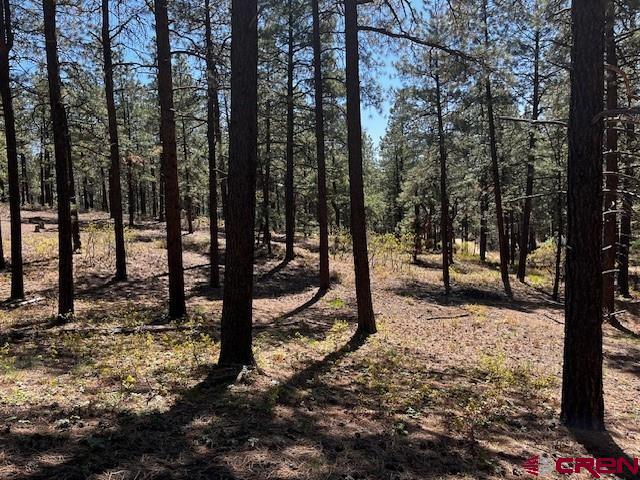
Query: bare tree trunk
366, 318
85, 193
103, 185
323, 222
43, 194
444, 195
6, 44
25, 179
397, 183
495, 168
213, 114
161, 202
514, 240
559, 220
177, 307
142, 189
610, 230
528, 201
582, 395
47, 176
289, 202
42, 187
484, 207
75, 215
266, 182
507, 233
625, 221
236, 327
115, 188
131, 191
417, 234
188, 199
336, 206
154, 194
63, 154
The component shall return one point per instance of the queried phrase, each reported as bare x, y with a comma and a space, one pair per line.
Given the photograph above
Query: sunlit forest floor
465, 386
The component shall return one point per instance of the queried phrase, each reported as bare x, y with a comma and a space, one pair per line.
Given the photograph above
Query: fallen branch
551, 317
447, 317
19, 334
21, 302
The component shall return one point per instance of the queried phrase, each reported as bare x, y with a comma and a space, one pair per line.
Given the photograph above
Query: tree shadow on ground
42, 261
625, 360
465, 295
162, 438
602, 445
429, 265
309, 303
286, 278
617, 324
216, 431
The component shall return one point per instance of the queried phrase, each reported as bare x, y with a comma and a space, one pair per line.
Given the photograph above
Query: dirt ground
465, 386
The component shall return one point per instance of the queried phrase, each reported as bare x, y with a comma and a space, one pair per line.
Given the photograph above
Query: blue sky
374, 120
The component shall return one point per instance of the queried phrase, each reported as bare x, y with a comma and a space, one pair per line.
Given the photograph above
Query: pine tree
6, 44
115, 189
236, 324
582, 396
320, 150
63, 159
177, 307
366, 318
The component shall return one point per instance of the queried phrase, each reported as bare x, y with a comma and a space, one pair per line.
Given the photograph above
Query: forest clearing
458, 386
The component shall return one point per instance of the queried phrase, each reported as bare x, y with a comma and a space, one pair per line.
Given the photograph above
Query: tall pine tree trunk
484, 208
610, 229
236, 327
6, 43
444, 195
63, 153
131, 195
266, 183
161, 202
42, 197
154, 193
625, 220
188, 199
75, 214
417, 234
177, 307
142, 189
495, 169
47, 176
85, 193
26, 196
366, 318
323, 222
289, 201
560, 232
115, 189
104, 194
582, 396
528, 201
213, 112
513, 242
